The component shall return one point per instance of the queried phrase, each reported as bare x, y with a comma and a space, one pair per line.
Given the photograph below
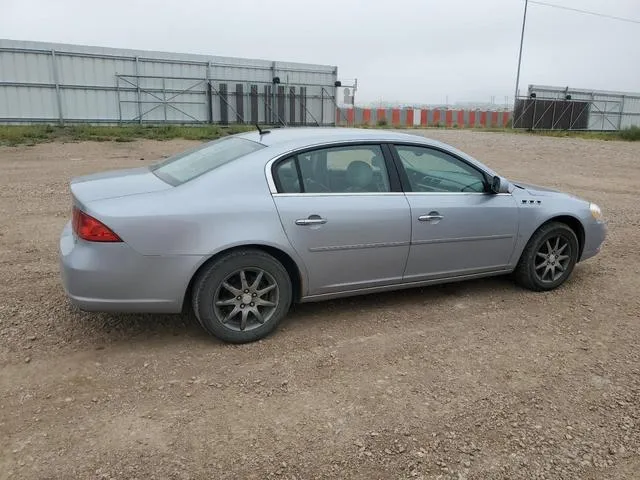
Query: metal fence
563, 108
42, 82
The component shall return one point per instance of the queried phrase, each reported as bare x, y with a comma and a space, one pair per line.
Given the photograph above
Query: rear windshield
191, 164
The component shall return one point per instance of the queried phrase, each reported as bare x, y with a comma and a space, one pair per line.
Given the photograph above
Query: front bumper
594, 235
112, 277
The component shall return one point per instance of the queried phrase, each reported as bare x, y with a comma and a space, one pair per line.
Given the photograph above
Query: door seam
406, 260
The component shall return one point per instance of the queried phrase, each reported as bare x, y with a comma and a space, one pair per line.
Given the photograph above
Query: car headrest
377, 161
359, 174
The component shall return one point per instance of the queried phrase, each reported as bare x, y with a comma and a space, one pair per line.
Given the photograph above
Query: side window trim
395, 182
296, 163
404, 179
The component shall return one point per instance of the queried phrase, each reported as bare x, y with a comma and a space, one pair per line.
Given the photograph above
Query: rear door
345, 216
458, 227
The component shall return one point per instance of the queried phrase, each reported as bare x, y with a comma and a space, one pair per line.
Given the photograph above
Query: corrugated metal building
46, 82
549, 107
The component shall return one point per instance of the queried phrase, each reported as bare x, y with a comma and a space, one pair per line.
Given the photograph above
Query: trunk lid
117, 183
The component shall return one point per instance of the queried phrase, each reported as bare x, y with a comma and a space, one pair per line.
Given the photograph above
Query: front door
340, 214
458, 227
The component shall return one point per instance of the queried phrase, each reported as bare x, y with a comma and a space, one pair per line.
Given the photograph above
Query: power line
587, 12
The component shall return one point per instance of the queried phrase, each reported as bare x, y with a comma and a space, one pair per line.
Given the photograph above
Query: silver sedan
239, 228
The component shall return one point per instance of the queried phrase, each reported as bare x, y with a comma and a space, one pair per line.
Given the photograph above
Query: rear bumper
594, 235
112, 277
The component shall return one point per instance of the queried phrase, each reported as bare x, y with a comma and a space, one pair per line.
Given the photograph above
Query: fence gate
606, 114
166, 99
161, 99
566, 114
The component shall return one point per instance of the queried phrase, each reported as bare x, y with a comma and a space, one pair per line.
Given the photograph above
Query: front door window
431, 170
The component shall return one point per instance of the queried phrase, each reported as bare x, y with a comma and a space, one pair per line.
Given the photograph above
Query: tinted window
193, 163
430, 170
352, 169
286, 175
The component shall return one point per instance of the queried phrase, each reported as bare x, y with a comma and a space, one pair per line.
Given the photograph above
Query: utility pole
524, 20
353, 98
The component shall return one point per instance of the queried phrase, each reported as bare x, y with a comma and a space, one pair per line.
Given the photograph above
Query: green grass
32, 134
630, 134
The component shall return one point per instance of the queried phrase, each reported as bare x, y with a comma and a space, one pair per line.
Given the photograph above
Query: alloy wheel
246, 299
552, 259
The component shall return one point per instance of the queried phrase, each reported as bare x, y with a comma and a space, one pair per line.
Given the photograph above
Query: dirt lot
478, 380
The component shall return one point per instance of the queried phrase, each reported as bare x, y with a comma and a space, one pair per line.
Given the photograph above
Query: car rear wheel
549, 257
242, 296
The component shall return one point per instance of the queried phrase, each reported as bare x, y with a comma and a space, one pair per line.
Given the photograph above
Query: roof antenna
260, 131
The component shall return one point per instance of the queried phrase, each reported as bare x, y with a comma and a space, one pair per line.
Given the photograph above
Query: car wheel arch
290, 265
570, 221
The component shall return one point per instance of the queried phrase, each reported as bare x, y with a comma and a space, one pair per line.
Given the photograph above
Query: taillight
90, 229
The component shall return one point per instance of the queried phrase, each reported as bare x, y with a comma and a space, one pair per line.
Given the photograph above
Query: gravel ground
476, 380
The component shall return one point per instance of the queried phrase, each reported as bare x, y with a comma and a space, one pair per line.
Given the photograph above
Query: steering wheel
464, 189
429, 181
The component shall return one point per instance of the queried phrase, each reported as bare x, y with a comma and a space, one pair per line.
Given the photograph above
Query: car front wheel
549, 257
242, 296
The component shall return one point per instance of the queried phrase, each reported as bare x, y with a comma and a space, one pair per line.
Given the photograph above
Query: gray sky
400, 50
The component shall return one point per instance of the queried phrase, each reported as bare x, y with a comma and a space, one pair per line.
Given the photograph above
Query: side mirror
499, 185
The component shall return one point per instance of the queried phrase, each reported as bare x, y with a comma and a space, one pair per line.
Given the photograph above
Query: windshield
195, 162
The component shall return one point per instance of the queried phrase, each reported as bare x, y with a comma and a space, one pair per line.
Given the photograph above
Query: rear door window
346, 169
286, 176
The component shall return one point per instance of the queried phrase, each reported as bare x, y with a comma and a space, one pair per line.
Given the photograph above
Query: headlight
595, 212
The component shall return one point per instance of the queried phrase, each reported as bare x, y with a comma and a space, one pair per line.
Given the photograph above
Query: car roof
287, 139
295, 137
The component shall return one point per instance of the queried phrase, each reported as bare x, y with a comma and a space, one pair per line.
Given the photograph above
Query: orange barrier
423, 117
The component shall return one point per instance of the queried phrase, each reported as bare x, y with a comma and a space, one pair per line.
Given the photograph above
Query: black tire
210, 281
525, 273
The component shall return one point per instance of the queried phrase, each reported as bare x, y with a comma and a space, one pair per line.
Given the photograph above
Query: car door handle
429, 217
312, 220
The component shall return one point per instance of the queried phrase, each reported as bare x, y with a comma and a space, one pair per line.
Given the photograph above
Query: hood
117, 183
536, 189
